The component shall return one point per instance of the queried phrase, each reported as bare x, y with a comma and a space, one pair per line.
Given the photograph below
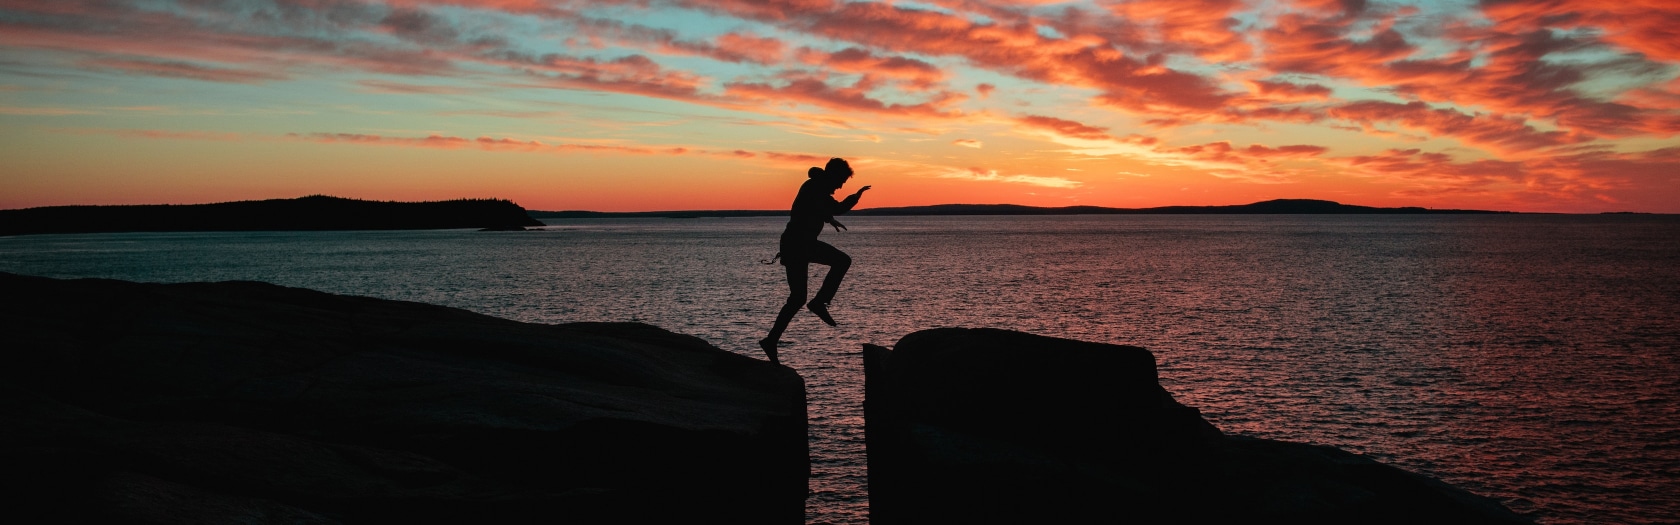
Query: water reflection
1530, 358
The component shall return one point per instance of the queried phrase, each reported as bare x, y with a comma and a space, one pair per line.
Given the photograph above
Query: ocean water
1532, 358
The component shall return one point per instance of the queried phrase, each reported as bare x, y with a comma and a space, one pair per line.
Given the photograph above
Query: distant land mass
320, 212
315, 212
1279, 206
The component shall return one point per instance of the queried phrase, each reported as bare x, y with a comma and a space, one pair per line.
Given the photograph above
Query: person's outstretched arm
845, 206
851, 200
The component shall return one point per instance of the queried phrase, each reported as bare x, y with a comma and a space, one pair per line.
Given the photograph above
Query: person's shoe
821, 309
769, 350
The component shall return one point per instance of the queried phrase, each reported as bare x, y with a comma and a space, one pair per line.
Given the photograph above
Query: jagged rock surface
996, 426
254, 403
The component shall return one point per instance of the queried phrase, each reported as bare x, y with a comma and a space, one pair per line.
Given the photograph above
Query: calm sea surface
1535, 359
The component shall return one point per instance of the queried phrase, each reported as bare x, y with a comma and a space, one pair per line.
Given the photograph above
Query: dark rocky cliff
993, 426
247, 402
253, 403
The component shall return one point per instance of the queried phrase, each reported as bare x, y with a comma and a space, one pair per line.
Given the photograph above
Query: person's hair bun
814, 173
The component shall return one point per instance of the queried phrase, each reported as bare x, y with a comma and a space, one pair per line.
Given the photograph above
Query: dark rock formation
317, 212
253, 403
993, 426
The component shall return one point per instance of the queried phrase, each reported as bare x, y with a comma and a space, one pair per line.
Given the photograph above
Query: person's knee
795, 299
842, 262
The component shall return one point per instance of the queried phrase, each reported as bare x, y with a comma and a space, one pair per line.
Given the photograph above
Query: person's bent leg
838, 262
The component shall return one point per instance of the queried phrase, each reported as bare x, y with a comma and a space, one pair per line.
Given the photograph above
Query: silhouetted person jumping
814, 207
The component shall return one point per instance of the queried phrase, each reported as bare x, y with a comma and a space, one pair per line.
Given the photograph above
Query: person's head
834, 175
837, 171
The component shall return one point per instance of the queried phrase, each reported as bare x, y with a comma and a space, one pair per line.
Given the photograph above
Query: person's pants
798, 272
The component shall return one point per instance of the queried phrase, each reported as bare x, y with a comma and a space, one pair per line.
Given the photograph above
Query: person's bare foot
769, 350
821, 309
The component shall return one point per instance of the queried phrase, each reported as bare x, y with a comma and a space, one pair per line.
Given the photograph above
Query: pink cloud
171, 44
418, 26
1512, 84
1506, 134
1664, 97
1650, 27
175, 69
917, 75
1289, 91
1298, 150
1066, 128
1508, 68
1305, 43
1517, 78
381, 86
532, 146
1550, 180
153, 134
483, 143
730, 47
794, 157
815, 91
633, 74
1012, 45
1223, 151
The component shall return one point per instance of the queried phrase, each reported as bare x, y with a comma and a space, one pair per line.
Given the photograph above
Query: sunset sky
1543, 105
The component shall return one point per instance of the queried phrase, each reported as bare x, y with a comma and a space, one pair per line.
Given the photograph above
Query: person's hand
837, 225
861, 190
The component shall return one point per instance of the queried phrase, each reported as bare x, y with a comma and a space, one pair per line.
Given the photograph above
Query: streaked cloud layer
1558, 105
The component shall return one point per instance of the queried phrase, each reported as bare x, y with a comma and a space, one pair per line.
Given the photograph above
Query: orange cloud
1650, 27
749, 48
1205, 28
